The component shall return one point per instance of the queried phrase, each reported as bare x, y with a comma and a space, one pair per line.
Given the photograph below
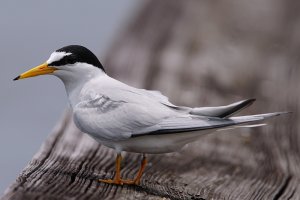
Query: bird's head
67, 63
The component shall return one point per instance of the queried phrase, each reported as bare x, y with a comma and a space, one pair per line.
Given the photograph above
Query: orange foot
119, 182
117, 179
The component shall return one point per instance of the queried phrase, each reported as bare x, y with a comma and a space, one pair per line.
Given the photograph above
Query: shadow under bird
130, 119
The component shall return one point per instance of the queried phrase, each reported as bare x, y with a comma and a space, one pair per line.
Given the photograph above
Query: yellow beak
36, 71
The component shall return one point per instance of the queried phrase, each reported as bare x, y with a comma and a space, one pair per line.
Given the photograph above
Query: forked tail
251, 121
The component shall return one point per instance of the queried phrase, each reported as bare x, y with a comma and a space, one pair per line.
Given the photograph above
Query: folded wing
222, 111
190, 123
129, 113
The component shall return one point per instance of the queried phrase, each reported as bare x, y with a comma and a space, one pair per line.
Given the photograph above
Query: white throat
76, 76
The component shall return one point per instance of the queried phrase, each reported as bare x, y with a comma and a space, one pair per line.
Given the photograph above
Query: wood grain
199, 53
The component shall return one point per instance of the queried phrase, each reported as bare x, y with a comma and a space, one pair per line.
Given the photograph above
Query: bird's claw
119, 181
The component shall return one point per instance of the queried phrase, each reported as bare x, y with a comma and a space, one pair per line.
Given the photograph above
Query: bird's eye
69, 60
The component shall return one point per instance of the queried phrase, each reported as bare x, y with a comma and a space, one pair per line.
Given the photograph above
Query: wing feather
186, 123
115, 119
195, 123
117, 112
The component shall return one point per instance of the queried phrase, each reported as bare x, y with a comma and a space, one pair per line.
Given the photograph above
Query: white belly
153, 144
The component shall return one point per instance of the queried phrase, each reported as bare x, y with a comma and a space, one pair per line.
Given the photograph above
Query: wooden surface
197, 53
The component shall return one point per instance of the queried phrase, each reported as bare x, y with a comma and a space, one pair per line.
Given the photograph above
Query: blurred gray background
198, 53
30, 31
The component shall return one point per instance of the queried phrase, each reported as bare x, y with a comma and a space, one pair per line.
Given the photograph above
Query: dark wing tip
247, 102
242, 105
250, 100
17, 78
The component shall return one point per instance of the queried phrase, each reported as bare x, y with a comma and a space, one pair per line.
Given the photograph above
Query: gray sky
29, 31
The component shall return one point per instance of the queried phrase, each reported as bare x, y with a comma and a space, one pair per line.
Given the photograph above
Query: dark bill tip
17, 78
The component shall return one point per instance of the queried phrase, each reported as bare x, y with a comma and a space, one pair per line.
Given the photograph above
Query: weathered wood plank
197, 53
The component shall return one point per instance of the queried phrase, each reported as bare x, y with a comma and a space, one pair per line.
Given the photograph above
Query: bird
131, 119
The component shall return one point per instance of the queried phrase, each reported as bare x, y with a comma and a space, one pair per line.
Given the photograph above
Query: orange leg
141, 170
117, 179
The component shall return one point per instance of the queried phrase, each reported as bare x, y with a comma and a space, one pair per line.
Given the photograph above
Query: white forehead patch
56, 56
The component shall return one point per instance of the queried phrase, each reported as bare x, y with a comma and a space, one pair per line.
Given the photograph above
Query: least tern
130, 119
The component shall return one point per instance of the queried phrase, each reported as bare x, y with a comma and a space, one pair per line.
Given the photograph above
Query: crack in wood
283, 187
292, 194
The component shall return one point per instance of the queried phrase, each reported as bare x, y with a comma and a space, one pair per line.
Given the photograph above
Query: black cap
78, 54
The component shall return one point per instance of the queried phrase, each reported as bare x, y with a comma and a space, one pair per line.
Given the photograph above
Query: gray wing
115, 118
218, 111
186, 123
196, 123
121, 112
222, 111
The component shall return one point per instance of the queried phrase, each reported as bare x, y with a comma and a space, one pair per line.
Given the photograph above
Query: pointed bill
36, 71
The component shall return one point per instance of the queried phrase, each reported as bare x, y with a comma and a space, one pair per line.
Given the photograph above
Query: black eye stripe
64, 61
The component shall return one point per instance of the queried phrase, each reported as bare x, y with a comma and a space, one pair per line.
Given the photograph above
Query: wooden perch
199, 53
